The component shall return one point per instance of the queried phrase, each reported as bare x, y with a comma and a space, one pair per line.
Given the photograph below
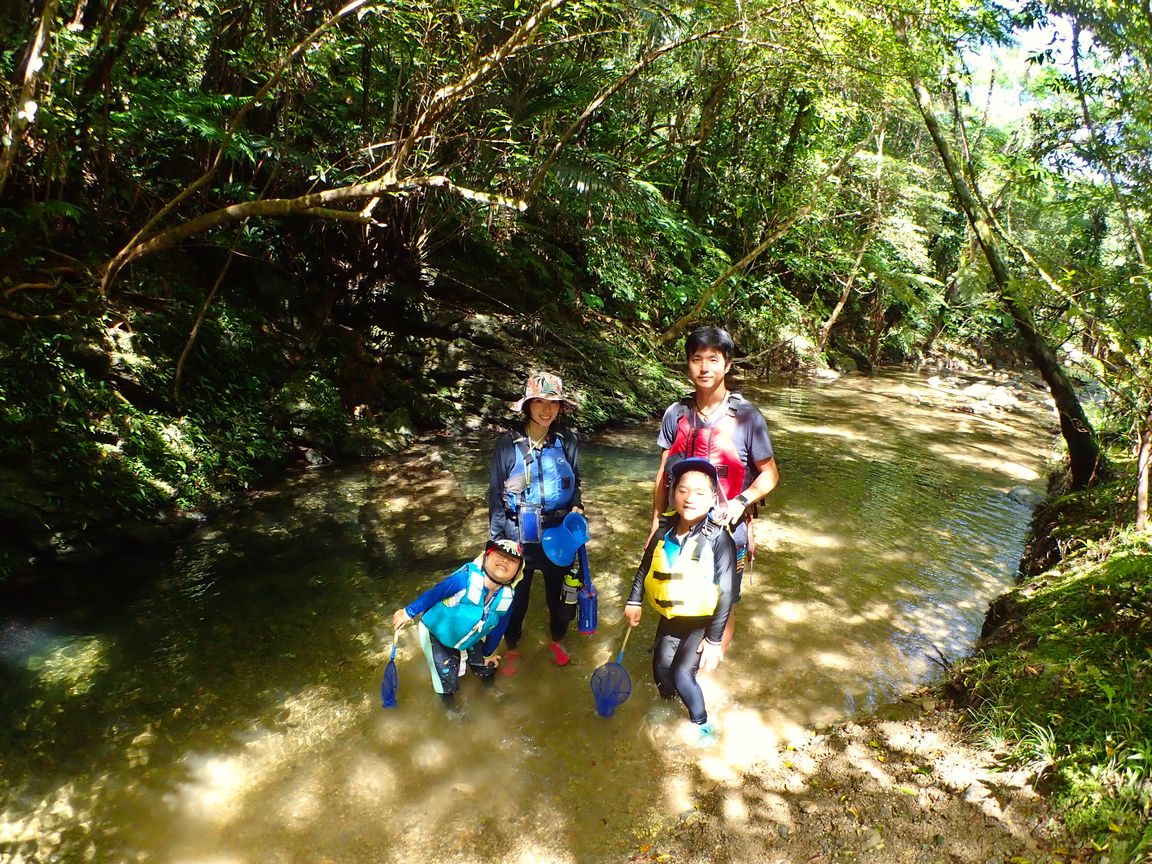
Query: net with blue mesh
391, 683
587, 618
611, 685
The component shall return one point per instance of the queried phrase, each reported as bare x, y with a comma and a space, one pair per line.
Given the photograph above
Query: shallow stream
221, 706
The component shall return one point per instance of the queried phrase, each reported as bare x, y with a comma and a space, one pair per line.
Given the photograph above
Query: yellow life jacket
688, 588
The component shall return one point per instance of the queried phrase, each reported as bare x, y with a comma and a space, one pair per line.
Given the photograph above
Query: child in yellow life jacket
687, 575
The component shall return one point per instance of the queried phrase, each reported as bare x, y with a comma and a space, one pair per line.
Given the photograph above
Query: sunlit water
225, 710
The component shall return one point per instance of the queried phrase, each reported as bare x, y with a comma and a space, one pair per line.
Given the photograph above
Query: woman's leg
520, 598
559, 612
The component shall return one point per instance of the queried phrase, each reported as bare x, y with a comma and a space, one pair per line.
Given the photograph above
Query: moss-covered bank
128, 419
1061, 684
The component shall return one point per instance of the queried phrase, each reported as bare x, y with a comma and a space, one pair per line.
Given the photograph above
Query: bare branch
124, 255
447, 98
312, 204
28, 286
777, 232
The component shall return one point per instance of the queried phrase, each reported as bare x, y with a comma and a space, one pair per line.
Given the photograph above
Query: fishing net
391, 683
611, 686
586, 598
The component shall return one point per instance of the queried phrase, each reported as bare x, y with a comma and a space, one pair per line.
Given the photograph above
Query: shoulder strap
734, 400
570, 443
685, 409
520, 442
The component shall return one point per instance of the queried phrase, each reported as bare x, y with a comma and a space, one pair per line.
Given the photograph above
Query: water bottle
571, 588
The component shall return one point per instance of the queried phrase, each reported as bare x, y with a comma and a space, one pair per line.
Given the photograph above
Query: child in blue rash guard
687, 575
466, 614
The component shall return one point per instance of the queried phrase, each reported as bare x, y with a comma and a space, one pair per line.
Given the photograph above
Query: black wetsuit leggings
675, 660
559, 613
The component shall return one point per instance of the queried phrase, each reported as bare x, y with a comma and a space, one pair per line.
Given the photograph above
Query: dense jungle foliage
325, 196
233, 235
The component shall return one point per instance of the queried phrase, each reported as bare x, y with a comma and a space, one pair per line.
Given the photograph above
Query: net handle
627, 633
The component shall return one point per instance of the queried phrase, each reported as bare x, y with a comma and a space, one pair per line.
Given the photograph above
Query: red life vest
716, 443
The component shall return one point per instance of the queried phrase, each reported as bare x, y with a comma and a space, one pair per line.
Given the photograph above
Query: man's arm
764, 483
659, 496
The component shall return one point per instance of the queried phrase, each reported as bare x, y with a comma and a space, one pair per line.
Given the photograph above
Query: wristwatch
743, 499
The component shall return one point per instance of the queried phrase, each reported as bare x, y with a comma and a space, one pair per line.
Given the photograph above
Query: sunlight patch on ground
833, 660
303, 803
790, 612
1016, 471
679, 793
830, 433
220, 782
810, 539
37, 835
372, 779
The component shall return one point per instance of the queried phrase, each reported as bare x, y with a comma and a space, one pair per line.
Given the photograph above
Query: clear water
225, 709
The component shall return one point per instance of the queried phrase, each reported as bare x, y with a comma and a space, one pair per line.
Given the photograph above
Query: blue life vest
543, 477
465, 618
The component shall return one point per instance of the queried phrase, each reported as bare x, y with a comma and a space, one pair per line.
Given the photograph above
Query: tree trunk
24, 110
1083, 449
873, 225
776, 231
1143, 459
826, 327
690, 176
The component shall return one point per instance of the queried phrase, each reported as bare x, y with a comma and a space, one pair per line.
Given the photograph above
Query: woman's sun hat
544, 385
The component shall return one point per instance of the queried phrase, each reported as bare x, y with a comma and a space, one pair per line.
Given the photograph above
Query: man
727, 430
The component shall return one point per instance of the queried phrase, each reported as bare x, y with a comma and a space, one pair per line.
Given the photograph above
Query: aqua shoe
707, 735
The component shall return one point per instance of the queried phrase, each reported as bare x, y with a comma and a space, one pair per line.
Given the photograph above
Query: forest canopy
824, 177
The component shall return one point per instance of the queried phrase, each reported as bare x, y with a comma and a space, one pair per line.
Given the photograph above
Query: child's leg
684, 667
663, 653
443, 662
486, 674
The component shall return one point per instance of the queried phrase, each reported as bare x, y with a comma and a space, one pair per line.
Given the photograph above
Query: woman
533, 484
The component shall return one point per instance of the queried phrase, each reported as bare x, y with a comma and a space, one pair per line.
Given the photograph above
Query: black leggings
675, 660
559, 612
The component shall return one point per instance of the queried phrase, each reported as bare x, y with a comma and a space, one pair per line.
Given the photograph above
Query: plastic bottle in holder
571, 587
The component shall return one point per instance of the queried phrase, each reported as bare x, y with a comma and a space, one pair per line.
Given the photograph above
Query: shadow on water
229, 712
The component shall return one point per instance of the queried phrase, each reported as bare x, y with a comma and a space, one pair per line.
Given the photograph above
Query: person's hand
734, 510
492, 660
400, 619
711, 653
632, 614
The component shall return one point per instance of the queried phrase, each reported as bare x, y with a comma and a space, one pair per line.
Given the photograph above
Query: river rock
1025, 495
421, 513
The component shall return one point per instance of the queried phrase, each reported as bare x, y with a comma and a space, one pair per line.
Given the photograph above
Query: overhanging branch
313, 204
